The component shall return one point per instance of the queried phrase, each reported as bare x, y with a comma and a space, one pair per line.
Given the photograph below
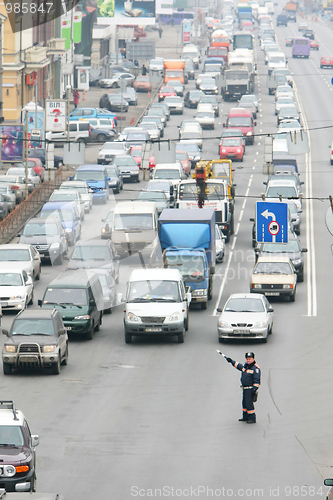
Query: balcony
36, 57
56, 46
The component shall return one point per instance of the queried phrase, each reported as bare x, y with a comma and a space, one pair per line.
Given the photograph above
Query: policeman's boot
244, 418
252, 419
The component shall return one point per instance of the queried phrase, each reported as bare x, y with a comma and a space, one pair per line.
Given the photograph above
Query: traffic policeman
250, 383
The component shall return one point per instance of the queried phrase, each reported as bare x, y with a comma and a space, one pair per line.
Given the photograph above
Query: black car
192, 98
309, 34
95, 254
37, 339
117, 103
17, 449
292, 249
115, 178
100, 135
288, 113
48, 236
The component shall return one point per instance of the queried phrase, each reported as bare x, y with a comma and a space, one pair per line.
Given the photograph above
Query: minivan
241, 118
134, 228
167, 310
96, 177
78, 295
79, 131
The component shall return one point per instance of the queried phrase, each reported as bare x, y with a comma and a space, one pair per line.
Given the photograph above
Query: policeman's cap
249, 355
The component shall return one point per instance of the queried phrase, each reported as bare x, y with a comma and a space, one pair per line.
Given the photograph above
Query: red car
314, 45
326, 62
231, 148
142, 84
35, 164
166, 91
136, 154
182, 156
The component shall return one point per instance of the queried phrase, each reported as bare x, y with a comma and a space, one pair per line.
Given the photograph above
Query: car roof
39, 313
248, 295
273, 258
93, 242
44, 220
12, 246
281, 182
155, 274
55, 205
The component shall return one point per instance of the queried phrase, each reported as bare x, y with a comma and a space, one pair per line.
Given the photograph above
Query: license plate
272, 294
153, 329
241, 331
126, 175
4, 304
28, 359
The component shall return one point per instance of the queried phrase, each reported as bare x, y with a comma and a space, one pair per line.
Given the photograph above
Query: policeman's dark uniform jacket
250, 383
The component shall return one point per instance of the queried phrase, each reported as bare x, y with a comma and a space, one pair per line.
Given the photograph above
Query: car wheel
293, 296
300, 277
55, 369
7, 369
108, 311
31, 301
270, 331
116, 191
264, 340
114, 85
187, 322
100, 138
90, 333
331, 162
65, 360
81, 141
203, 305
128, 338
37, 277
181, 336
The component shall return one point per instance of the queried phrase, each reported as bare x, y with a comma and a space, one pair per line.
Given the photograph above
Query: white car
175, 104
169, 171
191, 135
284, 90
284, 188
69, 195
33, 179
16, 289
284, 101
84, 191
110, 150
152, 129
22, 257
204, 76
114, 81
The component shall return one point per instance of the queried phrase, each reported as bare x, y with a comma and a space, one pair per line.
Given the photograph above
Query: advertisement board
128, 13
55, 115
12, 142
186, 31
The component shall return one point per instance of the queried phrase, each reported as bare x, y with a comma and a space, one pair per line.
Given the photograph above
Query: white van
134, 229
156, 303
78, 131
276, 60
192, 52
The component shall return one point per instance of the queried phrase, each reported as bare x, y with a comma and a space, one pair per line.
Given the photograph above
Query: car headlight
287, 286
249, 133
106, 297
83, 316
49, 348
9, 470
68, 230
55, 245
9, 348
224, 150
175, 316
29, 272
296, 262
223, 324
13, 297
260, 324
201, 293
238, 150
256, 285
133, 317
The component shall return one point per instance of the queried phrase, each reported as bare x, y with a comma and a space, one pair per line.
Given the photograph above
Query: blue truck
244, 11
187, 239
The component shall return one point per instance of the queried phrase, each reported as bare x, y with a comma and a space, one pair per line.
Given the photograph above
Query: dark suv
37, 339
48, 236
17, 450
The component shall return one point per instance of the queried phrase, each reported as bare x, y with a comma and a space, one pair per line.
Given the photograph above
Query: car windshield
148, 196
239, 121
191, 268
111, 172
166, 173
76, 296
63, 215
291, 247
247, 98
11, 435
173, 100
33, 326
284, 191
190, 191
63, 197
14, 255
79, 189
153, 291
195, 94
244, 305
205, 114
40, 229
124, 162
181, 156
272, 268
288, 110
133, 222
208, 99
91, 252
231, 143
89, 175
11, 279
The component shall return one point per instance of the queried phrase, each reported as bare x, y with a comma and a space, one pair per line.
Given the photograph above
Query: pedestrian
250, 380
144, 70
76, 97
160, 31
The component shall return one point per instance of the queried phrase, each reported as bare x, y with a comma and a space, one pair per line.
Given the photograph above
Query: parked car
86, 113
113, 82
118, 103
17, 185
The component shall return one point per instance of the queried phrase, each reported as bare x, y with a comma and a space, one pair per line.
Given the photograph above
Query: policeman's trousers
248, 406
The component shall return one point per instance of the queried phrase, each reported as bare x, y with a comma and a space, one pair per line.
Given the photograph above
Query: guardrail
28, 207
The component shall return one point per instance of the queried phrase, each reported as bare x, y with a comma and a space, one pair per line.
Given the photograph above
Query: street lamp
2, 19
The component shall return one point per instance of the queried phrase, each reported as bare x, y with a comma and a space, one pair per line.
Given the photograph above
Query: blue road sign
272, 222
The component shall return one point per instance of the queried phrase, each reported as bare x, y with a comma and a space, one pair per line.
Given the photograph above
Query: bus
243, 40
220, 38
176, 17
301, 47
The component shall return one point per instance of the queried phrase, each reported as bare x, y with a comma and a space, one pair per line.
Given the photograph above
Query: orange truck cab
174, 70
220, 38
241, 118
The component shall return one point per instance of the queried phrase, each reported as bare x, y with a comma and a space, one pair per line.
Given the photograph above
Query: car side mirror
35, 440
270, 309
39, 302
62, 331
18, 234
29, 281
4, 332
304, 250
252, 219
71, 178
265, 183
301, 183
219, 310
188, 297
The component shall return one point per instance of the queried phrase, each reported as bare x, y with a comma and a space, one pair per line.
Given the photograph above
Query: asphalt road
123, 420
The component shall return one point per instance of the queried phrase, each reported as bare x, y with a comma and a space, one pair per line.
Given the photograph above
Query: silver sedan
245, 316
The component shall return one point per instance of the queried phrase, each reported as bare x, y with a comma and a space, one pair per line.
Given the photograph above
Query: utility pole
2, 19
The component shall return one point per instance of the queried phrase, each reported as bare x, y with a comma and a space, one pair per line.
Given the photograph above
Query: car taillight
89, 130
14, 187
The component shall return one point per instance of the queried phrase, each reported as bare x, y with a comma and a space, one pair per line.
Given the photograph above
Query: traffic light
200, 178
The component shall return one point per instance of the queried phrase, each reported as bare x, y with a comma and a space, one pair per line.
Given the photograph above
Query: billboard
55, 115
126, 13
186, 31
12, 142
